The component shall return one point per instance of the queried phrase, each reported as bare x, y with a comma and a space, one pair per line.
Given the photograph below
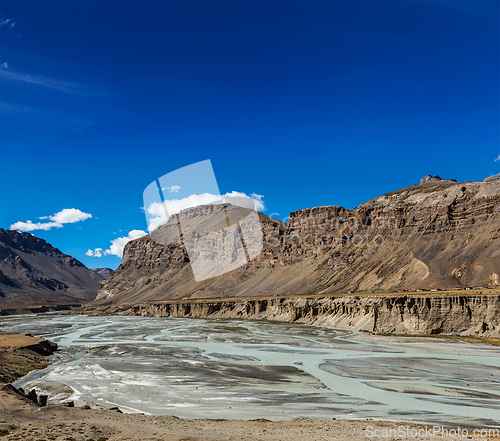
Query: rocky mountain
104, 272
436, 235
429, 179
35, 274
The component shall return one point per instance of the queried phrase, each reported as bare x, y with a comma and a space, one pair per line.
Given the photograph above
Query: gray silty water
195, 368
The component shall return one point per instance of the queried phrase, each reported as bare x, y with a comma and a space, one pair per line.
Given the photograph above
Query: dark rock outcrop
44, 347
40, 400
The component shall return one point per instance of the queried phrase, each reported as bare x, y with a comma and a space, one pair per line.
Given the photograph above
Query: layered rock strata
476, 315
437, 235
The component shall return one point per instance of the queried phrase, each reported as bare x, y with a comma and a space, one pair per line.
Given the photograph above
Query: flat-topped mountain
437, 235
34, 273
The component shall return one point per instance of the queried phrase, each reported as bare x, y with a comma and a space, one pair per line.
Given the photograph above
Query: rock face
431, 236
35, 274
477, 315
104, 272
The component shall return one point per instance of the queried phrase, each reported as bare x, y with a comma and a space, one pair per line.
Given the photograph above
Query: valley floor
23, 420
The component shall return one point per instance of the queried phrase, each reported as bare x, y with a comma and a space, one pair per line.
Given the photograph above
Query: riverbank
27, 308
27, 422
20, 354
466, 313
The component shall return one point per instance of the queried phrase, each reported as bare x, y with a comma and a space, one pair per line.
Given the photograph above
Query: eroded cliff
430, 236
476, 315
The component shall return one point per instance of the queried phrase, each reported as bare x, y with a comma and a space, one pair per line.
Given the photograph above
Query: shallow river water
236, 369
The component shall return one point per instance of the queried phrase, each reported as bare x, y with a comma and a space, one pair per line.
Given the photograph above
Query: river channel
237, 369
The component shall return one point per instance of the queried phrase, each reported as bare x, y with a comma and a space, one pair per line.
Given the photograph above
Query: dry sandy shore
21, 419
26, 421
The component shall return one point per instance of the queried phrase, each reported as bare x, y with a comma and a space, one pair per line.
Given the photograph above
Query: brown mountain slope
429, 236
34, 273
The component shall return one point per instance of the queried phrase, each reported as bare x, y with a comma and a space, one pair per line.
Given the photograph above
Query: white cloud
253, 202
4, 65
498, 159
96, 253
117, 245
173, 189
57, 220
157, 211
30, 226
158, 215
69, 216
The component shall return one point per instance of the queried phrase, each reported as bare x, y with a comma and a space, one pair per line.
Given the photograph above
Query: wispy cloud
117, 245
43, 81
51, 83
57, 220
45, 119
259, 202
498, 159
7, 22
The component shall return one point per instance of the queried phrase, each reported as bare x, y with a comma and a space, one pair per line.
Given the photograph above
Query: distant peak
430, 179
104, 272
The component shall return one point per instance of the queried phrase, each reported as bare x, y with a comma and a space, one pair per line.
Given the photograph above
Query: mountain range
436, 235
34, 274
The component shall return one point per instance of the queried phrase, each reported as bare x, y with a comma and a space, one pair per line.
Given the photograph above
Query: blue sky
304, 103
